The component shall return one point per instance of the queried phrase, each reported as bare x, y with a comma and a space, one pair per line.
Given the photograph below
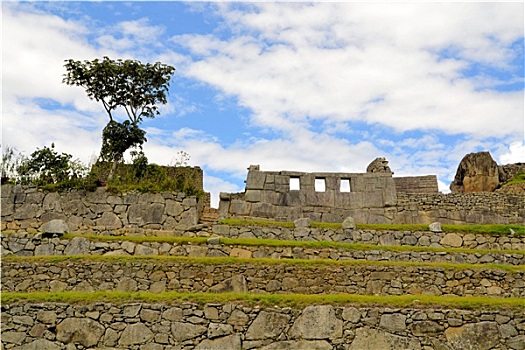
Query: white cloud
515, 154
378, 63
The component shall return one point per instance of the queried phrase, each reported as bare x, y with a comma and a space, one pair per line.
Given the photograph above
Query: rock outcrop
477, 172
379, 165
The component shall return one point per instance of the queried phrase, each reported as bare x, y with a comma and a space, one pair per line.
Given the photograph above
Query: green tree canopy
136, 87
129, 84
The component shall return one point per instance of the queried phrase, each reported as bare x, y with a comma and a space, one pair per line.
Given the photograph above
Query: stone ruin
321, 196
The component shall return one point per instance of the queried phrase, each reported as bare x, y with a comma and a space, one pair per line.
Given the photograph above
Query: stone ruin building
320, 196
375, 197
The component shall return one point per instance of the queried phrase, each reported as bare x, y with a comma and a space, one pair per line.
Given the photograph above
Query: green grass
518, 179
262, 261
269, 300
495, 229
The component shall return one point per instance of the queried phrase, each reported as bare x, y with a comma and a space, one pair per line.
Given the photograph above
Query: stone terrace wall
387, 238
186, 325
251, 276
453, 208
21, 244
27, 208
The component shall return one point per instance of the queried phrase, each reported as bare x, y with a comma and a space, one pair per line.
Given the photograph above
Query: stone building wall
416, 184
171, 326
27, 208
23, 244
375, 198
185, 275
329, 197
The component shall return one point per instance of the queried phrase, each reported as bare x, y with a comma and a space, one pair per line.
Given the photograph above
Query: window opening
345, 185
320, 185
295, 184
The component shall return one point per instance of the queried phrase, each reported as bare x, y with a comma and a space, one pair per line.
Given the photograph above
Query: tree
129, 84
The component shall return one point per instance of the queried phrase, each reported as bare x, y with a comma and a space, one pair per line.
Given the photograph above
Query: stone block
55, 226
84, 331
267, 325
452, 240
231, 342
317, 322
255, 180
253, 195
239, 208
372, 339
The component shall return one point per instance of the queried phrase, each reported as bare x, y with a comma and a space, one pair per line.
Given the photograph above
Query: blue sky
289, 86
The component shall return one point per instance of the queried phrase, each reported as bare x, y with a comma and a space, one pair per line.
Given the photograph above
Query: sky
321, 86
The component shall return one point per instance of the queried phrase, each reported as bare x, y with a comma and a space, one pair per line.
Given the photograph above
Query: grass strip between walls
493, 229
261, 261
269, 300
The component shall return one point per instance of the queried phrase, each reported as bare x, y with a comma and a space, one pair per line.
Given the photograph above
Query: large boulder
477, 172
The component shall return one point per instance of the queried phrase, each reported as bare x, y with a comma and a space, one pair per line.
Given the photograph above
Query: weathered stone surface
267, 325
231, 342
317, 322
372, 339
218, 330
182, 331
173, 208
479, 336
77, 246
39, 344
477, 172
55, 226
52, 202
349, 223
13, 337
435, 227
109, 220
80, 330
426, 328
302, 222
393, 322
517, 343
351, 314
452, 240
137, 333
240, 253
235, 284
127, 284
299, 344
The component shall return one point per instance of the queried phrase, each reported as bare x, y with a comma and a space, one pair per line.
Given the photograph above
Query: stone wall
289, 195
171, 326
375, 198
186, 275
454, 208
417, 184
27, 208
22, 244
386, 237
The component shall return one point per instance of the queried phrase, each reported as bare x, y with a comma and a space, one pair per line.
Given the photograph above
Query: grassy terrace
260, 261
270, 300
484, 229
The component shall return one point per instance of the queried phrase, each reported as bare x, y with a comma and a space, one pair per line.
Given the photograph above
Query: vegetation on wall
53, 171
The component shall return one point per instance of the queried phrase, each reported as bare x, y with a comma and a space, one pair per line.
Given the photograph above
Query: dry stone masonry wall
27, 208
103, 325
21, 244
386, 237
247, 276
